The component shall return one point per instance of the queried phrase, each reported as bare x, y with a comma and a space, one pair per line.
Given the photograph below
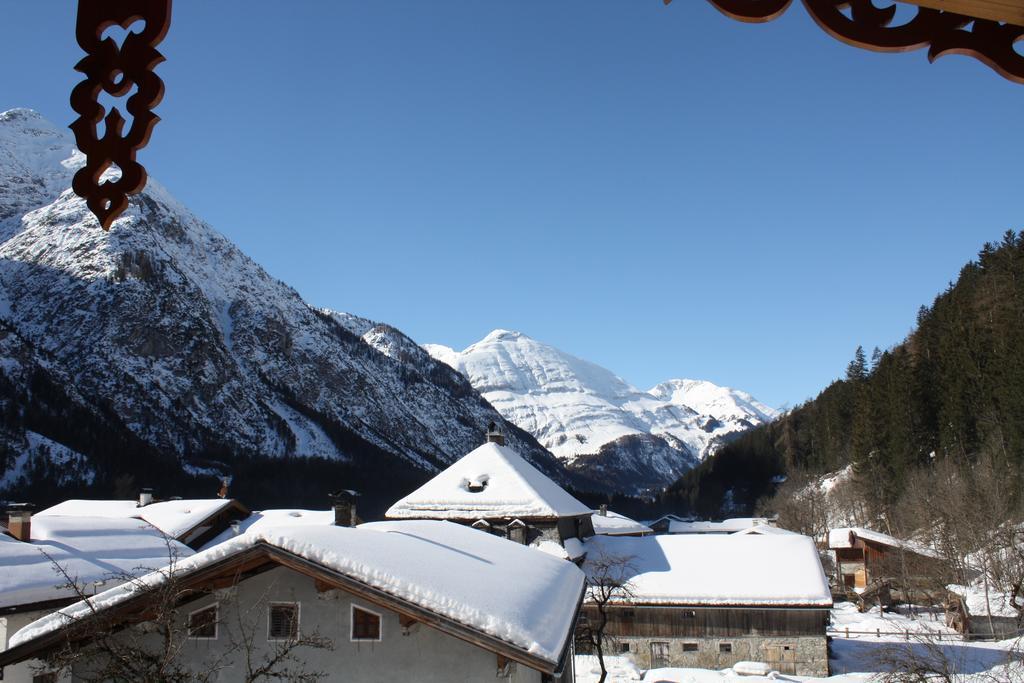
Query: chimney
223, 492
344, 503
145, 497
494, 435
603, 510
19, 521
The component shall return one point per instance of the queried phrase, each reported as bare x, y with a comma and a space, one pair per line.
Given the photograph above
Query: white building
424, 601
494, 489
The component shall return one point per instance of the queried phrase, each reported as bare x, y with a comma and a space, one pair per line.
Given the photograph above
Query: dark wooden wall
712, 622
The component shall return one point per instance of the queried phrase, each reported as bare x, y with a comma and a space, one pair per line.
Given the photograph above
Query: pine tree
858, 367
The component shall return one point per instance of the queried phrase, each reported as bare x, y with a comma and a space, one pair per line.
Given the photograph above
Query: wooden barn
710, 601
865, 558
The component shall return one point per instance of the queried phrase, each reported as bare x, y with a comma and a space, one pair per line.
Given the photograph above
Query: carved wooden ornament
861, 24
116, 70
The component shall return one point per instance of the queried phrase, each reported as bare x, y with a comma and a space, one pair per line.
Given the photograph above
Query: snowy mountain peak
593, 419
711, 399
37, 160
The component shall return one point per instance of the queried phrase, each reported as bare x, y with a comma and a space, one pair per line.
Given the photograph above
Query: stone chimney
223, 492
344, 503
19, 521
145, 498
603, 510
494, 435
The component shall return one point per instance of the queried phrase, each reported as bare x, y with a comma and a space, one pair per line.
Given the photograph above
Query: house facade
790, 640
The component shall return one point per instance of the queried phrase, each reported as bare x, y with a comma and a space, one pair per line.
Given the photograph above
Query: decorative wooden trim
115, 70
985, 31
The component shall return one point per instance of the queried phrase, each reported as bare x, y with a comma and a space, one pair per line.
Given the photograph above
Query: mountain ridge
595, 421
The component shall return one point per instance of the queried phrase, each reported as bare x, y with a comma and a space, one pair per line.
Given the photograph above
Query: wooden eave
1005, 11
261, 557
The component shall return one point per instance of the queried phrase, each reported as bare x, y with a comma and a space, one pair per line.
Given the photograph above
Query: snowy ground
854, 659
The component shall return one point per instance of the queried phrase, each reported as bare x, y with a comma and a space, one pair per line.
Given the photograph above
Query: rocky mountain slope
596, 422
160, 348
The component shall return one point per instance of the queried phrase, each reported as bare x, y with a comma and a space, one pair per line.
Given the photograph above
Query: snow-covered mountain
596, 422
160, 346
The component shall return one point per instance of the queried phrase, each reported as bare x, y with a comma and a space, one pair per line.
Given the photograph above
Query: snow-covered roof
258, 521
665, 518
173, 517
747, 570
614, 524
490, 481
449, 569
93, 550
765, 530
845, 537
727, 526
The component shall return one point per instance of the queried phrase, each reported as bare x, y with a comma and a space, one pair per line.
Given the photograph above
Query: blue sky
660, 190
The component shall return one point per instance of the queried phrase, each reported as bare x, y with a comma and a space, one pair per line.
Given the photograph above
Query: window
365, 624
690, 647
659, 655
517, 532
284, 621
45, 678
623, 648
202, 623
725, 648
689, 614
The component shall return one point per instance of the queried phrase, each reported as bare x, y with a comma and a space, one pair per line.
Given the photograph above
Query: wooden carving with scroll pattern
116, 70
861, 24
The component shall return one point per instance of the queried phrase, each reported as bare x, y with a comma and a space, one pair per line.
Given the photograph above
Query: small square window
690, 647
284, 621
725, 648
689, 614
623, 648
365, 624
202, 624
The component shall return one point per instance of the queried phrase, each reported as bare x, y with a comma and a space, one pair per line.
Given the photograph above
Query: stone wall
807, 656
